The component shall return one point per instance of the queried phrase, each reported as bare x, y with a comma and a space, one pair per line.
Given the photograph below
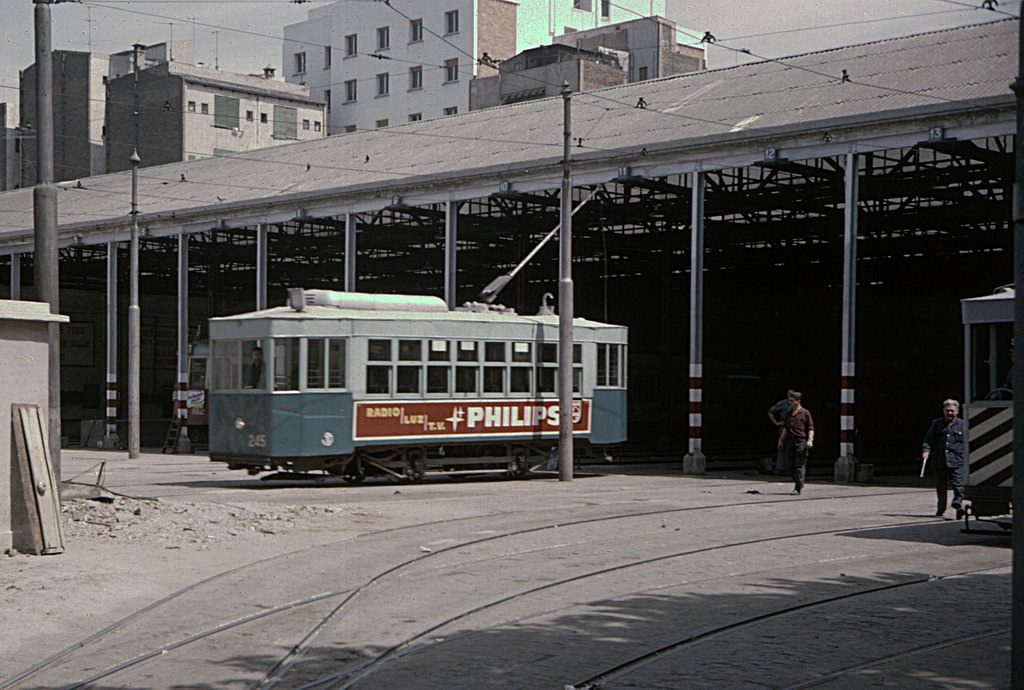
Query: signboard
76, 344
464, 418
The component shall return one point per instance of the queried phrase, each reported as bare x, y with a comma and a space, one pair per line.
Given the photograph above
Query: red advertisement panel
400, 419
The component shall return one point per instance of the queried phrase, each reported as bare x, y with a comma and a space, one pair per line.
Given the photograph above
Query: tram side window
437, 379
494, 352
465, 379
409, 350
378, 350
378, 379
315, 363
494, 379
227, 364
286, 364
467, 351
408, 380
439, 351
519, 379
546, 379
609, 371
521, 352
336, 363
992, 365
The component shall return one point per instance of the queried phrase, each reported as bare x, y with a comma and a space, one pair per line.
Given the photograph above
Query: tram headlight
239, 423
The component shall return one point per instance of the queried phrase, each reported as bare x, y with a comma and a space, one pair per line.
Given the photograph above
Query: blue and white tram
988, 358
356, 384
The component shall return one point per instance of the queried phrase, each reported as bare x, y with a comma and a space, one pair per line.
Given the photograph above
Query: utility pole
1017, 605
134, 319
44, 201
565, 301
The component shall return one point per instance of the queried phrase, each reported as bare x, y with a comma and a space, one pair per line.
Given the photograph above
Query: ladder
171, 440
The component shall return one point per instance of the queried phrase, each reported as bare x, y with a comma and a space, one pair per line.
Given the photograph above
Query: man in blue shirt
944, 446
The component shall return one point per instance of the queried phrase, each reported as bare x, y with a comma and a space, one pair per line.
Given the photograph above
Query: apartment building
188, 111
78, 104
377, 64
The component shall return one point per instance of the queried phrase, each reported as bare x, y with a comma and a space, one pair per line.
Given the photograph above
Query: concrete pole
451, 236
1017, 610
350, 252
694, 462
845, 469
15, 276
44, 199
134, 319
565, 301
262, 264
110, 438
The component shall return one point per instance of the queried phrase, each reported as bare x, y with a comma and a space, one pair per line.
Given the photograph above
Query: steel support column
182, 443
110, 437
846, 464
695, 462
451, 234
261, 266
350, 252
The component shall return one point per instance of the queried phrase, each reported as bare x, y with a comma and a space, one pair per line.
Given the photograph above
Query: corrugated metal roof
955, 70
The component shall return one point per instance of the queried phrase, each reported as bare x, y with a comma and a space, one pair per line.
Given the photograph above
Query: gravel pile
192, 525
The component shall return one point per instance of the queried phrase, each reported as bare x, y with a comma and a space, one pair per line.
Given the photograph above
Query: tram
988, 358
355, 385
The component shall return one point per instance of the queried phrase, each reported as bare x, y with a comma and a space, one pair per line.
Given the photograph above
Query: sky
243, 35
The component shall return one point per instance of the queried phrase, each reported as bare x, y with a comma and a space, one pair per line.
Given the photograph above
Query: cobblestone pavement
634, 577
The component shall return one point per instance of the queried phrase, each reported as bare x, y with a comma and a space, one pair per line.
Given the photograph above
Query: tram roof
714, 118
994, 308
323, 313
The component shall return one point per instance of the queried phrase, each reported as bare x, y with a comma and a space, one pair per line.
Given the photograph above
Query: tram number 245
257, 441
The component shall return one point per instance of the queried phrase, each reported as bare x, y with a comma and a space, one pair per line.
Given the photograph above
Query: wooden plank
34, 452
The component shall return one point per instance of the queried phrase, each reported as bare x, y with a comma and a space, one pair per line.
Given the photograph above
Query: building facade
379, 64
652, 44
78, 105
541, 72
189, 111
10, 148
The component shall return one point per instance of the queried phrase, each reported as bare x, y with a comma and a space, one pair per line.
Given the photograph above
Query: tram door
988, 366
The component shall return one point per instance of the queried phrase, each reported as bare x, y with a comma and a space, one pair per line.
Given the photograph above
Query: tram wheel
416, 467
518, 467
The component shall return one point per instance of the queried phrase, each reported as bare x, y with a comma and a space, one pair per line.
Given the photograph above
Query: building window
453, 110
350, 128
641, 73
451, 22
351, 45
300, 63
350, 91
285, 122
263, 118
327, 99
225, 112
305, 125
383, 84
191, 106
316, 126
415, 31
205, 108
415, 77
327, 57
451, 70
383, 38
415, 117
606, 9
584, 5
382, 123
249, 115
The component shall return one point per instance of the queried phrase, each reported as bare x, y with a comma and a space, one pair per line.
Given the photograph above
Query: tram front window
991, 361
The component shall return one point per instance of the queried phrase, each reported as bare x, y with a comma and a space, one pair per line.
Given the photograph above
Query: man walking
944, 446
777, 414
797, 439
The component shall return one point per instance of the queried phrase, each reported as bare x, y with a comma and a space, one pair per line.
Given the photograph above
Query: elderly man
944, 447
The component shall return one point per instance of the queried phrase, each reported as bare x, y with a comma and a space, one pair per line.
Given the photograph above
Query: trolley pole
565, 301
134, 318
1017, 608
44, 201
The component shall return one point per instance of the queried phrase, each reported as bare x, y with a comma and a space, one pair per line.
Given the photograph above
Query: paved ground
634, 577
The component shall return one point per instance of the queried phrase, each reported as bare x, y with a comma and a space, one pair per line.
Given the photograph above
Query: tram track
281, 668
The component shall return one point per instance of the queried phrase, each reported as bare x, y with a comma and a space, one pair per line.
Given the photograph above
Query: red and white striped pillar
110, 439
694, 462
846, 411
111, 430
